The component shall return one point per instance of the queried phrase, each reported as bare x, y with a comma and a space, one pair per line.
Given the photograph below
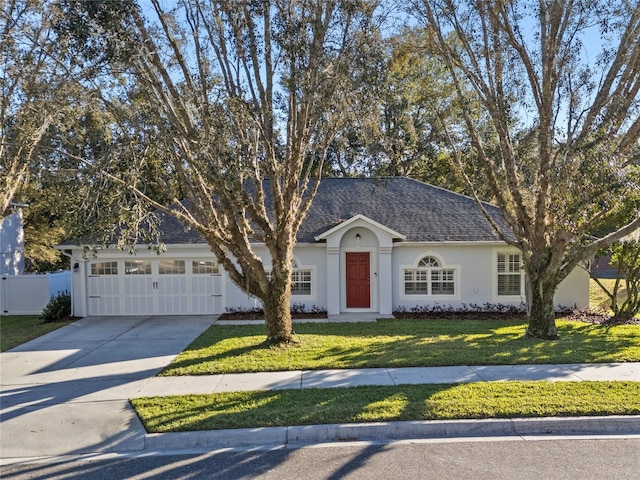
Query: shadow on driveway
67, 392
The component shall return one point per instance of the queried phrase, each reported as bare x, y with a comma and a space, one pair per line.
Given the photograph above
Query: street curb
383, 431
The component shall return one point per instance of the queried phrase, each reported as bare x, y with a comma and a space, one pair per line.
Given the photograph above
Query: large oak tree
558, 81
245, 98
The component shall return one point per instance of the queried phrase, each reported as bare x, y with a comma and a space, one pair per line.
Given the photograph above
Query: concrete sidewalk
67, 393
234, 382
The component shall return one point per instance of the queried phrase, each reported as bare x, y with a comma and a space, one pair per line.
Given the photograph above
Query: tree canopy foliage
239, 102
27, 106
564, 122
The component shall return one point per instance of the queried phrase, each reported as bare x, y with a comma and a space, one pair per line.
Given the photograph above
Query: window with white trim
171, 267
205, 267
429, 278
137, 267
301, 280
104, 268
510, 274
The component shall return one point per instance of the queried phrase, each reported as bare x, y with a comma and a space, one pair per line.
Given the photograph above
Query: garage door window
171, 267
104, 268
205, 268
137, 267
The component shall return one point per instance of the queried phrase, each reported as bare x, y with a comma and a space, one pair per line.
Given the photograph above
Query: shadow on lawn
282, 408
405, 344
381, 404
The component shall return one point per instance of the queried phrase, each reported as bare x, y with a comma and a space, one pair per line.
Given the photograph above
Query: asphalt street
490, 459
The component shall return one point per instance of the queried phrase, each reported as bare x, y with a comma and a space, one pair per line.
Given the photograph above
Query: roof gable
347, 223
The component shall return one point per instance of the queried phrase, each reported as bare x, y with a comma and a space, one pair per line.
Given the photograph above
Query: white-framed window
429, 277
171, 267
510, 274
204, 267
137, 267
104, 268
302, 281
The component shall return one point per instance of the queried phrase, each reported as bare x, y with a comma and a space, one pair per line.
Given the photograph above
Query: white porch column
333, 280
385, 280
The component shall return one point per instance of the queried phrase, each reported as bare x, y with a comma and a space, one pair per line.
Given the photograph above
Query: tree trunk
277, 311
542, 318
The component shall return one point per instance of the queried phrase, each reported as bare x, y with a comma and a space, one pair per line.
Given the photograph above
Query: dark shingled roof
421, 212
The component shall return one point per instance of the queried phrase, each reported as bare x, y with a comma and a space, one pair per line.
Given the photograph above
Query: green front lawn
383, 404
17, 329
598, 299
403, 343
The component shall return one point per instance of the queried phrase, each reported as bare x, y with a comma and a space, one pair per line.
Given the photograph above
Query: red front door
358, 280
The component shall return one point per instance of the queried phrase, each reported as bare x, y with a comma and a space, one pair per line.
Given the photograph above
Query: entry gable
360, 220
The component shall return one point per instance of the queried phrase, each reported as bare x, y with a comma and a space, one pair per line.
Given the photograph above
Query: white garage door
154, 287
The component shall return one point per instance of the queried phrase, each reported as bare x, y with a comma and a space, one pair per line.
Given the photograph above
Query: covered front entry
358, 268
359, 275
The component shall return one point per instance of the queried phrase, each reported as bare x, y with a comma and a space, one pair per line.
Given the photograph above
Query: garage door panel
172, 286
138, 294
138, 305
104, 305
108, 286
104, 295
206, 294
173, 306
172, 295
139, 286
148, 287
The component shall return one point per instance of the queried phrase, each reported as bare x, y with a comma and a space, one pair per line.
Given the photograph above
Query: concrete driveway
66, 393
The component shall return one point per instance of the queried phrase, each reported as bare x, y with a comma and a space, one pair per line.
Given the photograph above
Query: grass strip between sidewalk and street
386, 403
403, 343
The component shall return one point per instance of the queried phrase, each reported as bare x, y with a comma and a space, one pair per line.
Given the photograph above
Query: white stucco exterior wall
307, 257
573, 291
474, 265
474, 274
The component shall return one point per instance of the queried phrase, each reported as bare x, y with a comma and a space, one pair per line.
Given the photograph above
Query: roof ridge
421, 182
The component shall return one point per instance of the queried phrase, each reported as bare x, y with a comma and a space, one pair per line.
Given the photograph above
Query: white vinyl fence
29, 294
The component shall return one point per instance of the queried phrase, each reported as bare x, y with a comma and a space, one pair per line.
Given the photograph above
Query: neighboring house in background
12, 244
24, 294
601, 266
366, 245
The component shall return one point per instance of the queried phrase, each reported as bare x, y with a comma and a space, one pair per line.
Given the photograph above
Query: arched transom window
429, 278
428, 262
